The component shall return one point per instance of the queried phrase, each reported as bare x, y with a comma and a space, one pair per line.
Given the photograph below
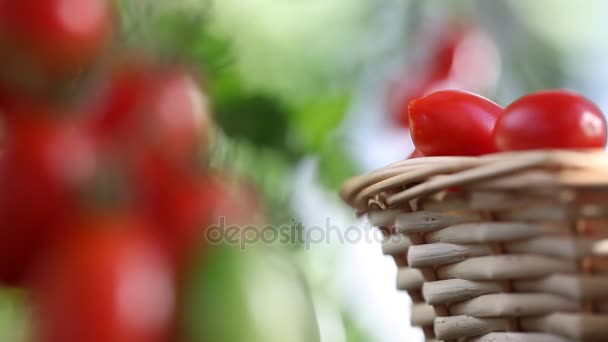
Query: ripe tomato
415, 154
181, 115
41, 169
46, 40
175, 201
146, 107
121, 97
451, 122
105, 282
184, 205
550, 119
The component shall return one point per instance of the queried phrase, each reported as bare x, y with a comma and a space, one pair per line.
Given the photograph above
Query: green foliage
247, 296
257, 119
335, 164
353, 330
295, 50
291, 100
267, 167
215, 307
14, 320
316, 119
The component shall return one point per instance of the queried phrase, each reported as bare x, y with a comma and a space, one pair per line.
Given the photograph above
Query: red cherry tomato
105, 282
178, 203
43, 40
120, 99
415, 154
550, 119
181, 119
183, 205
41, 170
451, 122
147, 107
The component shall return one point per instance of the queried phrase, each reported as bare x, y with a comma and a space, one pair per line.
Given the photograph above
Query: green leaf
353, 329
254, 118
214, 306
313, 121
335, 165
256, 295
14, 320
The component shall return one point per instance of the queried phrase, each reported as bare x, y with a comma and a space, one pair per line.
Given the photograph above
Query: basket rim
420, 177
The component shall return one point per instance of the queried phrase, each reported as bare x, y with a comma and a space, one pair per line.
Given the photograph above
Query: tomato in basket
453, 123
550, 119
415, 154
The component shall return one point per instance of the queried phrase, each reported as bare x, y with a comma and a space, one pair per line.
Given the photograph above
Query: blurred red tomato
144, 107
47, 40
122, 96
444, 46
181, 117
550, 119
401, 92
450, 122
41, 169
105, 282
458, 56
184, 205
177, 203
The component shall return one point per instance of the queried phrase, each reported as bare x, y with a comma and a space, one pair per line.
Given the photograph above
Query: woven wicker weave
511, 246
408, 279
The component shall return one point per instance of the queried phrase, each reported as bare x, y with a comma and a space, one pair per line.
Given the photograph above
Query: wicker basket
511, 246
408, 279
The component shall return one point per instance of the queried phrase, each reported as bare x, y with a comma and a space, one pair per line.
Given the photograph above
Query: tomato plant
181, 117
46, 40
180, 204
119, 98
105, 282
452, 122
43, 165
550, 119
184, 205
143, 106
102, 214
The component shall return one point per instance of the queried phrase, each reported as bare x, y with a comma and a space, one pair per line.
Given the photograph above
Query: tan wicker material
510, 246
409, 279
